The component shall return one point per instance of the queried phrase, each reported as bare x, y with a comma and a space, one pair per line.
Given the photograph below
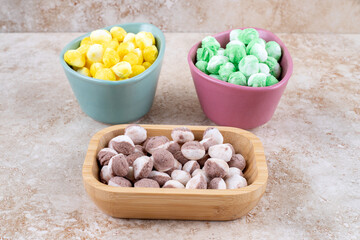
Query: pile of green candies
247, 60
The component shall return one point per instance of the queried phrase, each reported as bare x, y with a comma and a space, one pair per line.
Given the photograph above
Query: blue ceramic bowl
116, 102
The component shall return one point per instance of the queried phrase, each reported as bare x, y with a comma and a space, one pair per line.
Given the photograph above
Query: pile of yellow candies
115, 55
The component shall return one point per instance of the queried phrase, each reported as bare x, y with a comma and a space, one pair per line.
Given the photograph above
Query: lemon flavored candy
113, 55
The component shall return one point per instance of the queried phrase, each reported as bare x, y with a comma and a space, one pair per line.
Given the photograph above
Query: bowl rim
126, 81
259, 158
283, 81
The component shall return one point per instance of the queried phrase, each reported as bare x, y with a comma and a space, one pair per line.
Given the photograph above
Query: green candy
235, 34
257, 80
274, 66
237, 78
235, 53
204, 54
259, 52
202, 65
225, 71
248, 34
249, 65
273, 49
215, 63
271, 80
220, 52
210, 42
215, 76
235, 42
263, 68
251, 44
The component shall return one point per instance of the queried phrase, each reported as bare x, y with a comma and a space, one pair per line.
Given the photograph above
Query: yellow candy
146, 65
130, 37
136, 70
95, 67
85, 40
100, 36
88, 63
105, 74
118, 33
122, 69
131, 58
95, 53
110, 57
142, 40
151, 36
83, 48
124, 48
84, 71
120, 79
138, 52
114, 44
150, 54
74, 58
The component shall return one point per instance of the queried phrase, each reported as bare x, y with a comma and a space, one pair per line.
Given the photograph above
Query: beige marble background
311, 145
289, 16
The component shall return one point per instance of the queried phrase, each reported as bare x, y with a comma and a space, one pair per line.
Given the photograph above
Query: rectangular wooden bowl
187, 204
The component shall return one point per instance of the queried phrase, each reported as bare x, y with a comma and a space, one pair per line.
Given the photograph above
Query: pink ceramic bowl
239, 106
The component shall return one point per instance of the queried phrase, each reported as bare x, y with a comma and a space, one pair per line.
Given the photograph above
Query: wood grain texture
187, 204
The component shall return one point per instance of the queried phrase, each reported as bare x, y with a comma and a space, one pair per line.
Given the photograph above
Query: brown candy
146, 183
217, 183
197, 182
158, 142
119, 182
203, 160
160, 177
173, 147
180, 157
105, 154
119, 165
132, 157
122, 144
177, 166
237, 161
163, 160
191, 166
215, 167
142, 167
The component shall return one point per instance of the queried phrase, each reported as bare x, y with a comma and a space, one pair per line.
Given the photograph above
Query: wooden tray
189, 204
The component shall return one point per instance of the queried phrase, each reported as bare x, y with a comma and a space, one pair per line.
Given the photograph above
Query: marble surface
311, 144
307, 16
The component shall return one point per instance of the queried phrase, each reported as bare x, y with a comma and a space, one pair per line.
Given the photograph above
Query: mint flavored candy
246, 60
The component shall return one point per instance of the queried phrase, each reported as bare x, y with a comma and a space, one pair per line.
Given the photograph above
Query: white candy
259, 51
140, 167
234, 171
236, 181
222, 151
106, 173
264, 68
200, 171
182, 135
173, 184
180, 176
100, 36
137, 133
215, 134
95, 53
197, 182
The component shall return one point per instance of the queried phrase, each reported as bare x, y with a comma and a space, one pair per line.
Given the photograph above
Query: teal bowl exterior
114, 102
